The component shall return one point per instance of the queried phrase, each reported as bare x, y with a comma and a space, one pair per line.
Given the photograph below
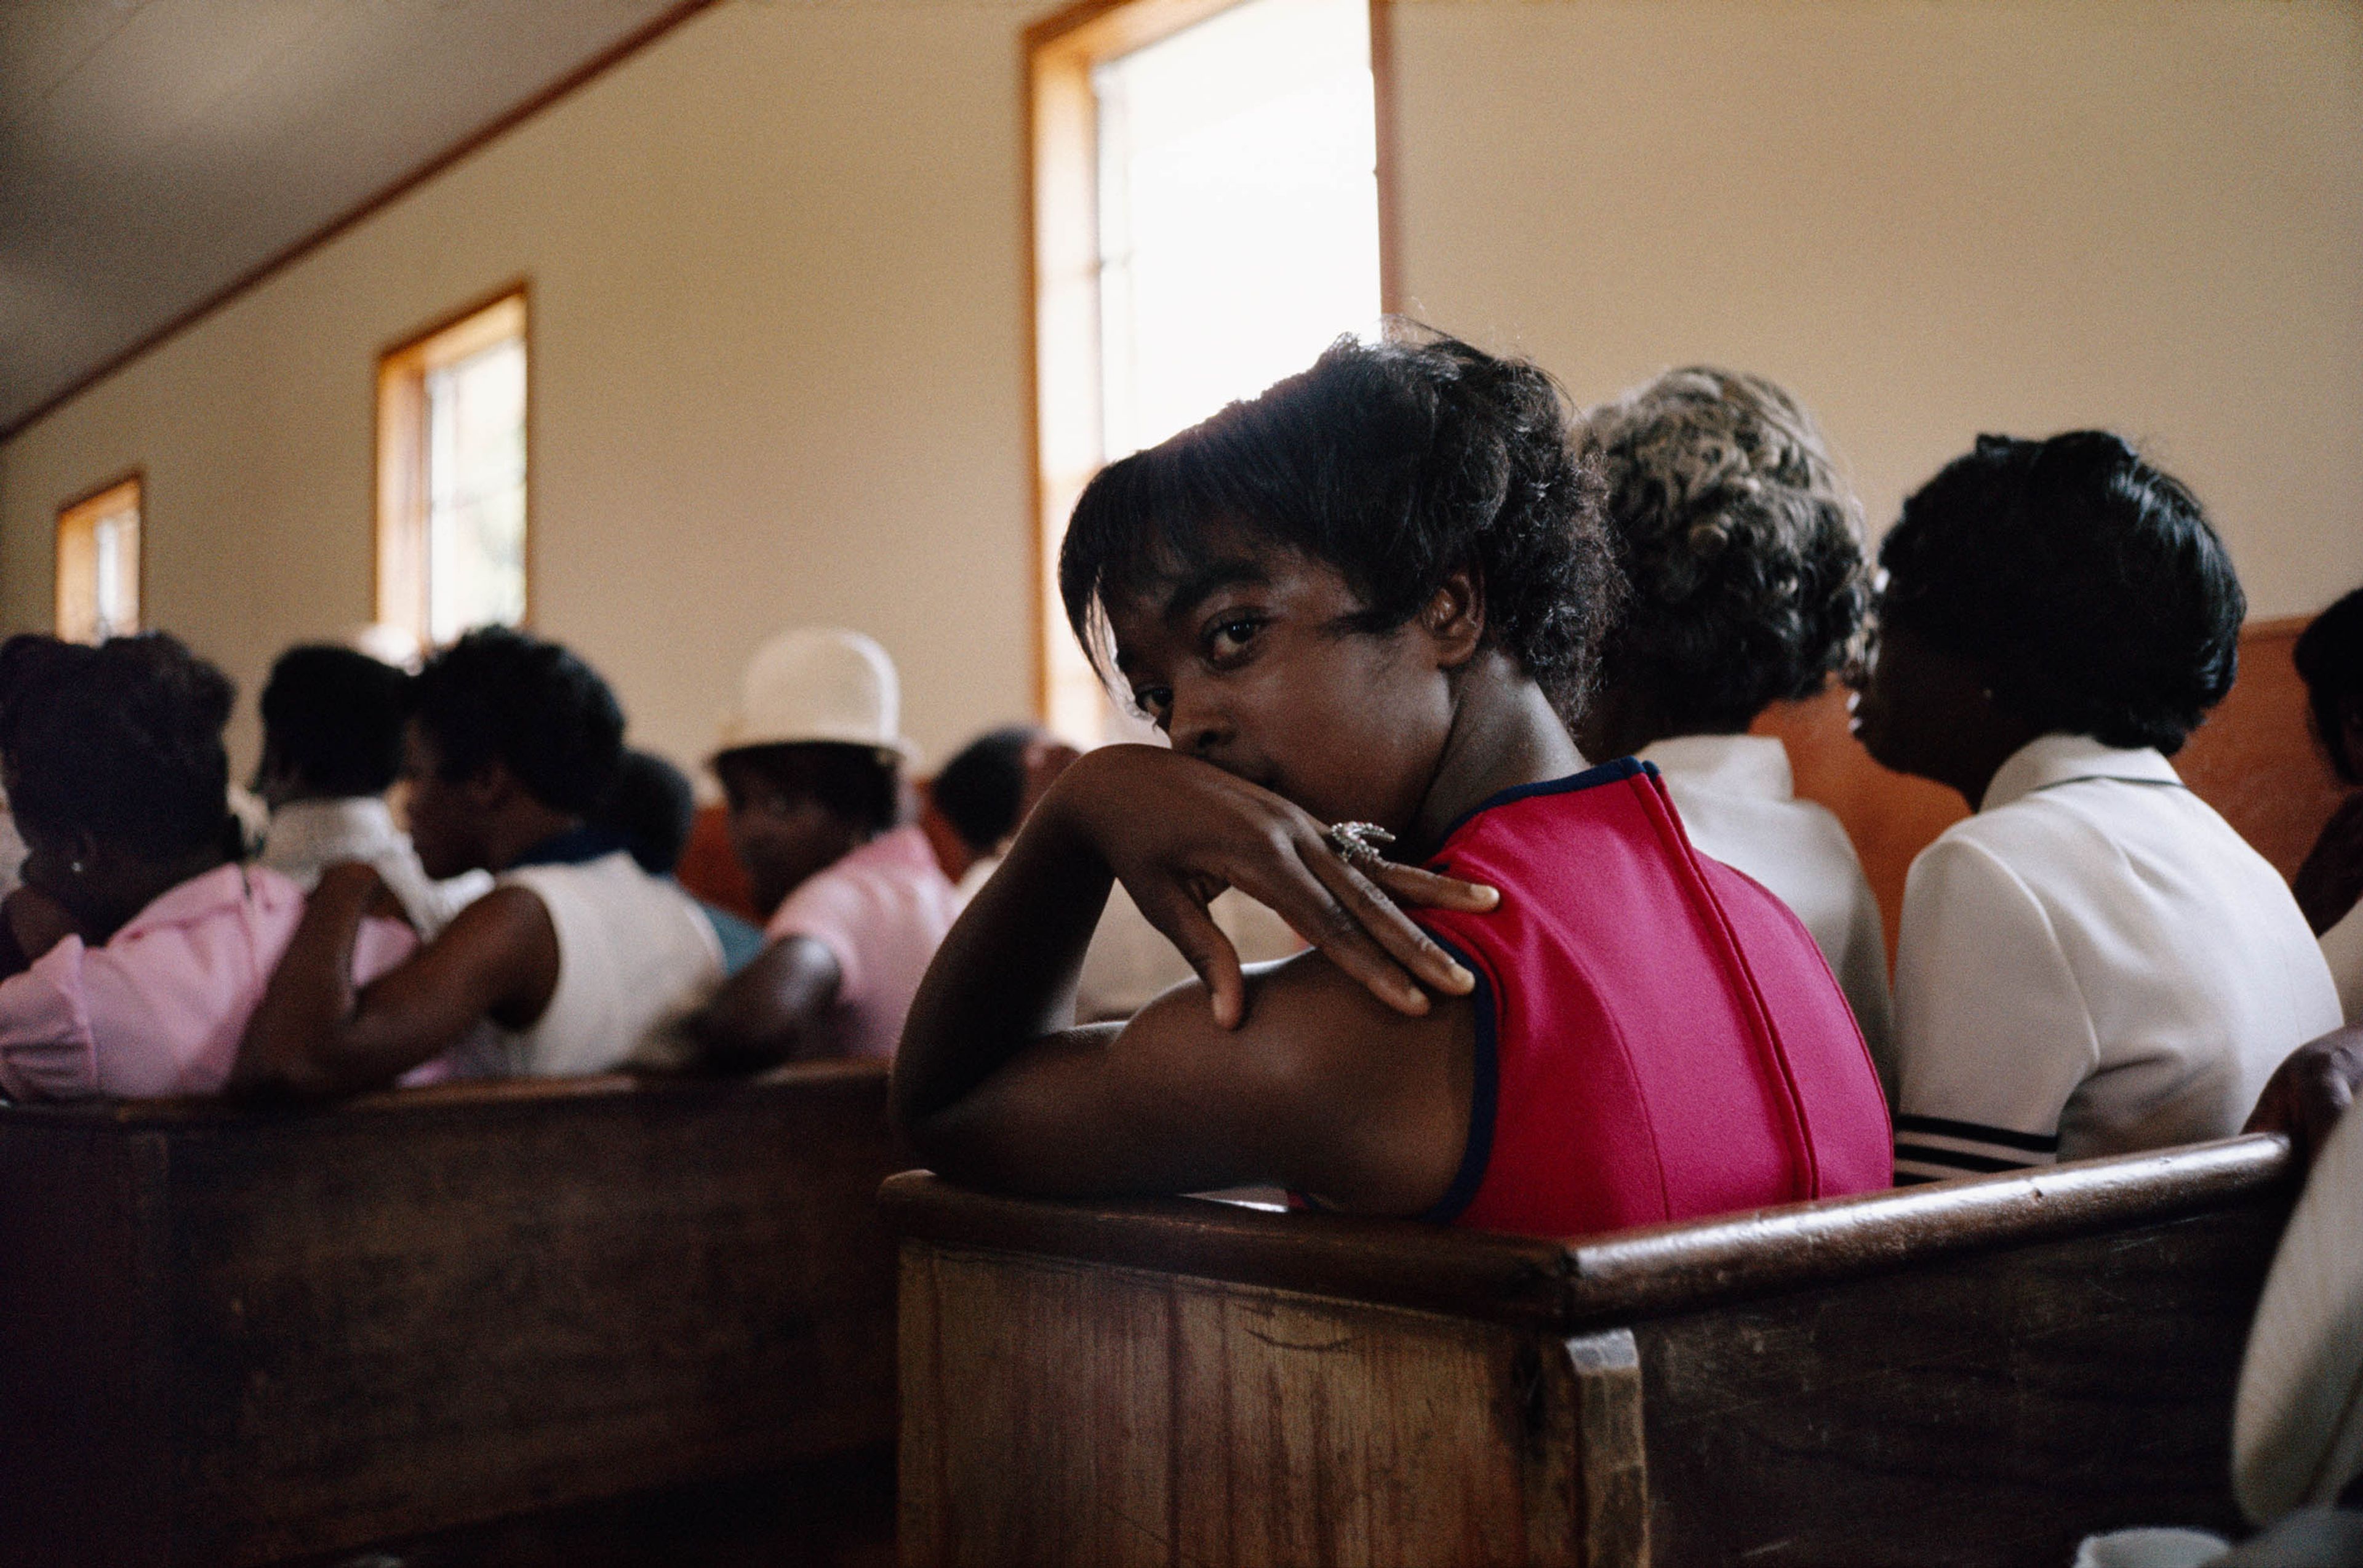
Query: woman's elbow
941, 1142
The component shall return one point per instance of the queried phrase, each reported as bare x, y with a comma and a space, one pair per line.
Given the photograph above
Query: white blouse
2094, 964
1738, 802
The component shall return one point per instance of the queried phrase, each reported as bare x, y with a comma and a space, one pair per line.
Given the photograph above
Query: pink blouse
882, 912
159, 1009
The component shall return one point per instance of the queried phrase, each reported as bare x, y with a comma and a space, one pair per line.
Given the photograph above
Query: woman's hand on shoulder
2309, 1092
1177, 832
360, 881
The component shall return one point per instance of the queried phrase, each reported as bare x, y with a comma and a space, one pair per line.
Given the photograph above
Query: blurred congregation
1814, 727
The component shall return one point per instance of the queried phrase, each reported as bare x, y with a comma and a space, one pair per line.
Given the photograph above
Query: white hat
818, 684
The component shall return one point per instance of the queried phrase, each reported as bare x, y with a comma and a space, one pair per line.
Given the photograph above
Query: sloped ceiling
155, 153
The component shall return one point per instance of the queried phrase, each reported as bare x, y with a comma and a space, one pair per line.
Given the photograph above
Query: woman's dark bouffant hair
122, 741
1741, 544
2085, 585
334, 716
1394, 462
498, 694
981, 791
2330, 661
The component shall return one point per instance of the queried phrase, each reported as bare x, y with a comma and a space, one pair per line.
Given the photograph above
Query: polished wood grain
2255, 760
1586, 1282
261, 1335
2027, 1358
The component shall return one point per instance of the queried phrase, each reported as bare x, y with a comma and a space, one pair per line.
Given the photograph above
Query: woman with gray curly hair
1743, 548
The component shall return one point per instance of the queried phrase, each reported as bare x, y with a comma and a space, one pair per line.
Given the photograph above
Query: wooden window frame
398, 593
1064, 405
74, 519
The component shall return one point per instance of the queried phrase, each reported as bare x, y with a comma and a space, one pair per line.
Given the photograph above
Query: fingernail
1488, 897
1460, 980
1416, 1002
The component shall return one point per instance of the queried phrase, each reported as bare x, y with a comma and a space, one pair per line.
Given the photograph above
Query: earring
76, 867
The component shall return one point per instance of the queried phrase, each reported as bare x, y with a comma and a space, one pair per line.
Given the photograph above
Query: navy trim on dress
1978, 1132
1929, 1154
1484, 1095
576, 846
1591, 778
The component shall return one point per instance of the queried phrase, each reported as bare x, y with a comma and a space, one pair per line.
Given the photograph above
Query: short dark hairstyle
860, 784
2086, 585
1741, 545
334, 718
2330, 661
506, 696
651, 807
1394, 462
122, 741
982, 789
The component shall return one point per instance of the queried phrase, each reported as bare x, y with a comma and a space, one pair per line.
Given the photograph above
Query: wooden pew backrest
230, 1337
1970, 1373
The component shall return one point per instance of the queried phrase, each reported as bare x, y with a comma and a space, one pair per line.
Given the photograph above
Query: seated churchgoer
332, 723
1742, 548
135, 948
978, 798
2330, 884
978, 801
2297, 1435
650, 807
2297, 1426
1350, 604
854, 898
576, 960
2095, 962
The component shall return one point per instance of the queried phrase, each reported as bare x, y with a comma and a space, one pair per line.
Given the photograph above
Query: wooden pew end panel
2024, 1359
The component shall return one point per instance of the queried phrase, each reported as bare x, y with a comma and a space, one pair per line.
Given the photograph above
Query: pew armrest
1586, 1282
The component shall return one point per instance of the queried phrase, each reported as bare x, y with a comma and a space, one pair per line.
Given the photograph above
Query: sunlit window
98, 565
1207, 220
451, 476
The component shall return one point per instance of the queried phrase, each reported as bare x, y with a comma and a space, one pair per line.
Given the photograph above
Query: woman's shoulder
230, 892
1543, 818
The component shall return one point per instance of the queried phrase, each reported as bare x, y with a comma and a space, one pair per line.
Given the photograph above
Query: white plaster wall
778, 374
779, 328
1928, 220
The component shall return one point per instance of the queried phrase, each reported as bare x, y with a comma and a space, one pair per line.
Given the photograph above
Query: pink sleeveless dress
1659, 1036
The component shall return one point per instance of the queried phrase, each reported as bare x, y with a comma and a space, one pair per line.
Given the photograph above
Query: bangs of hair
1394, 462
1155, 516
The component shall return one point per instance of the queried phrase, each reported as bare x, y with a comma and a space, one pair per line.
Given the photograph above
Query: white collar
360, 825
1733, 764
2050, 759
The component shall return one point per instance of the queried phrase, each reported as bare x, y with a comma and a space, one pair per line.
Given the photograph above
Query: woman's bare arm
1322, 1089
314, 1036
1291, 1076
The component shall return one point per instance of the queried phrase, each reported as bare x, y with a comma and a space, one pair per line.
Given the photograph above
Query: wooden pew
233, 1337
1970, 1373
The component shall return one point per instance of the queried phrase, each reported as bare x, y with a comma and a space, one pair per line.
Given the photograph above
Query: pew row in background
235, 1337
1970, 1373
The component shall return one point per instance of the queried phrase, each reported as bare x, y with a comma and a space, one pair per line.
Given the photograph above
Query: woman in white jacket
2094, 962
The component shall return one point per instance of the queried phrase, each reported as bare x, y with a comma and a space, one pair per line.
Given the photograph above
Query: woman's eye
1153, 701
1230, 635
